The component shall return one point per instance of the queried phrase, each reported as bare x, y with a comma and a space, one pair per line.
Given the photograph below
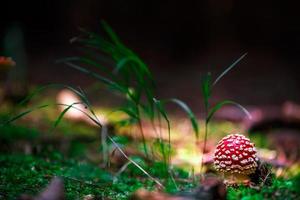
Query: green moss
10, 133
21, 174
280, 189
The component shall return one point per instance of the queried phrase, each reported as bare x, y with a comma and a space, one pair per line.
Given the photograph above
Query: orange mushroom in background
6, 63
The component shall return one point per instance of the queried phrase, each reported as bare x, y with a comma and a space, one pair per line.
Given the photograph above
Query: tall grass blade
113, 36
109, 83
190, 114
162, 111
42, 88
61, 115
22, 114
206, 90
229, 68
219, 105
134, 163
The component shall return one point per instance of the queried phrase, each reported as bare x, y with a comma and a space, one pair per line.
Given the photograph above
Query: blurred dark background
180, 40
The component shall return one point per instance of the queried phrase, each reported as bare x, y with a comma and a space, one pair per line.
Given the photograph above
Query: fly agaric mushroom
6, 63
235, 156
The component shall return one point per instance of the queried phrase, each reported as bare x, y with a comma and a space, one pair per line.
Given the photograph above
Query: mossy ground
25, 174
29, 174
280, 189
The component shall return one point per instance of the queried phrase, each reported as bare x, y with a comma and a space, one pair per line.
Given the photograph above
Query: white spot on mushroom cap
234, 157
228, 162
245, 161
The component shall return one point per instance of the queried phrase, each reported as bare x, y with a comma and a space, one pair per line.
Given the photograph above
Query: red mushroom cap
235, 154
6, 63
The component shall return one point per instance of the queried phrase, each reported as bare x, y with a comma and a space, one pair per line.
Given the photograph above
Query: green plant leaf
109, 83
189, 112
20, 115
219, 105
129, 112
161, 109
61, 115
113, 36
42, 88
87, 61
206, 89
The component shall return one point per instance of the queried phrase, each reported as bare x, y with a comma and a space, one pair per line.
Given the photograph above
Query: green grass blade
206, 89
61, 115
189, 112
113, 36
219, 105
94, 40
229, 68
109, 83
22, 114
135, 163
129, 112
161, 109
42, 88
87, 61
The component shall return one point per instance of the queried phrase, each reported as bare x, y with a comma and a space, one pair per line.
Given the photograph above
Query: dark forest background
180, 40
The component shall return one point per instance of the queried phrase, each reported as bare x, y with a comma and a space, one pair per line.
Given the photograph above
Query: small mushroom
235, 157
6, 63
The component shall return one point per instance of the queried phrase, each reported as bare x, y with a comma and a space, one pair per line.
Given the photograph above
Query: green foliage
280, 189
260, 140
190, 114
206, 90
131, 78
219, 105
207, 87
11, 133
26, 174
30, 174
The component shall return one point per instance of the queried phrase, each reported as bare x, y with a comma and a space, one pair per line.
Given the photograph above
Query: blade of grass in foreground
164, 114
22, 114
206, 90
42, 88
61, 115
190, 114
